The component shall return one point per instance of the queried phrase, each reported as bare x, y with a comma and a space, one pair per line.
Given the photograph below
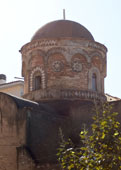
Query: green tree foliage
99, 151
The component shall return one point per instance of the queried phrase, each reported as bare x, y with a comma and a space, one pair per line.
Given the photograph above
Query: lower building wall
25, 162
42, 139
116, 107
12, 132
48, 167
8, 159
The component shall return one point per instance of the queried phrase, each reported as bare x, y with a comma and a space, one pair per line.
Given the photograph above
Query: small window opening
37, 82
94, 82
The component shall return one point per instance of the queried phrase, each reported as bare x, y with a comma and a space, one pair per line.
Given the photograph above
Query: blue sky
20, 20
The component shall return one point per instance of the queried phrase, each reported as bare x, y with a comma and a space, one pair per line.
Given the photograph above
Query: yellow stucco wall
14, 89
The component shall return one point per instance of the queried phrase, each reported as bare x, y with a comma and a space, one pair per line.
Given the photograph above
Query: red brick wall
66, 52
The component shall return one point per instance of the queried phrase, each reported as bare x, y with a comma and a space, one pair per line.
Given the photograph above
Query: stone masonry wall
12, 133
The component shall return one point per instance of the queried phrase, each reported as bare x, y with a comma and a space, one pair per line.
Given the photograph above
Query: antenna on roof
64, 14
20, 78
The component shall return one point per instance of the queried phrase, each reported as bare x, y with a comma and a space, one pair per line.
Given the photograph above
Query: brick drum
64, 70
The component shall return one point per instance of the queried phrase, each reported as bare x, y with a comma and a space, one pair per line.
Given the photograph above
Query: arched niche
81, 52
94, 83
37, 79
56, 63
35, 56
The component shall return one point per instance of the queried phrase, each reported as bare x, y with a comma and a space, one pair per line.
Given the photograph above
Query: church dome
63, 29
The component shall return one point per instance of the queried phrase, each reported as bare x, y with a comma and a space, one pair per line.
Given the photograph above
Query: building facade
64, 70
15, 88
63, 60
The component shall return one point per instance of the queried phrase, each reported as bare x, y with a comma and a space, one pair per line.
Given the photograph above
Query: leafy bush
99, 151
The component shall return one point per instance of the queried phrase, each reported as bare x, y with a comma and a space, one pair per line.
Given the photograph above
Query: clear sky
20, 19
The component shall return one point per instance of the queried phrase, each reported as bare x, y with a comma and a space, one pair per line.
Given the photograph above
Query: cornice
44, 43
64, 94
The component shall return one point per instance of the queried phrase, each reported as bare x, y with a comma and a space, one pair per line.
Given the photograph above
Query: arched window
37, 79
37, 82
94, 82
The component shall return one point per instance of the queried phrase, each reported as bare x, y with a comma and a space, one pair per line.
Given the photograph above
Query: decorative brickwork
64, 70
65, 63
42, 74
54, 94
77, 66
57, 66
71, 70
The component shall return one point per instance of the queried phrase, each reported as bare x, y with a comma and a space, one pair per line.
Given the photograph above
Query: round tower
63, 62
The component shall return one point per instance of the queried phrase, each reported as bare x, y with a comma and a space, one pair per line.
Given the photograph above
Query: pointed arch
37, 79
81, 52
94, 79
58, 50
94, 82
95, 53
37, 52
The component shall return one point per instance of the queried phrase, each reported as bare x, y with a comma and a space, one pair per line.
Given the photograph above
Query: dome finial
64, 14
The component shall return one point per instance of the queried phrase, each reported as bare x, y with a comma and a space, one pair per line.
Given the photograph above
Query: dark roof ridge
21, 102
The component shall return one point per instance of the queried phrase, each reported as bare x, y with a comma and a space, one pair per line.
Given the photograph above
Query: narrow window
37, 82
94, 82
